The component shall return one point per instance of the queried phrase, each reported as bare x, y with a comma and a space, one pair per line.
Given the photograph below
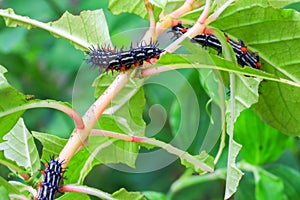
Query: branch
86, 190
17, 196
48, 104
216, 14
171, 19
150, 34
92, 115
169, 148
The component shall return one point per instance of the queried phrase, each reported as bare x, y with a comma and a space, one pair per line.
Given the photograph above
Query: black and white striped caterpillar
119, 60
52, 175
244, 57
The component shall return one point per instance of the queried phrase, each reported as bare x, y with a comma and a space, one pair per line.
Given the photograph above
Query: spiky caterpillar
119, 60
244, 57
52, 175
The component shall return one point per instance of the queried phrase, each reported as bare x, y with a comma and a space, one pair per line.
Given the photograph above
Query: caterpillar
52, 175
244, 57
119, 60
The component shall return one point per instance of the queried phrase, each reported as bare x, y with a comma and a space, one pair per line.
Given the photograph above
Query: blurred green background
46, 67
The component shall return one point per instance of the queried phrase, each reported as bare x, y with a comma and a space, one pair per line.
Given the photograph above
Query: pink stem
91, 116
150, 34
169, 148
129, 138
200, 25
17, 196
187, 6
217, 13
86, 190
49, 104
171, 19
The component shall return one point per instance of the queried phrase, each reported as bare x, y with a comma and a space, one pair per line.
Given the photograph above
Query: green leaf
278, 46
8, 187
199, 163
152, 195
111, 151
80, 165
11, 98
3, 193
82, 31
52, 144
90, 26
203, 157
159, 3
283, 114
261, 143
268, 186
190, 182
245, 94
123, 194
290, 178
20, 147
276, 3
135, 7
130, 6
234, 174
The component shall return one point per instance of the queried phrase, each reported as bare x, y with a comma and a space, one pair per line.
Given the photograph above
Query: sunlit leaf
20, 147
151, 195
135, 7
234, 174
52, 144
69, 27
125, 195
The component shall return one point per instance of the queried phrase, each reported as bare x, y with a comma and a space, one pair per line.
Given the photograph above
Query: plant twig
171, 19
192, 32
150, 34
86, 190
217, 13
48, 104
169, 148
92, 115
17, 196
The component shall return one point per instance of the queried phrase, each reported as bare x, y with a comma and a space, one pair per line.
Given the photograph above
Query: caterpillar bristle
108, 59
